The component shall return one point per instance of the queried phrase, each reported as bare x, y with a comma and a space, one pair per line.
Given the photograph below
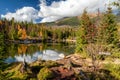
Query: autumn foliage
0, 22
22, 32
22, 49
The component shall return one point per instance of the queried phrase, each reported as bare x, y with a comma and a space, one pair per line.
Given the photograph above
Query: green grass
45, 74
114, 70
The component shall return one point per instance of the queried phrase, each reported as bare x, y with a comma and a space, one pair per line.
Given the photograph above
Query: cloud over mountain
57, 10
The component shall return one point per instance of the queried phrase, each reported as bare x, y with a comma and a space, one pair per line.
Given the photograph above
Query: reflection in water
51, 55
33, 52
45, 55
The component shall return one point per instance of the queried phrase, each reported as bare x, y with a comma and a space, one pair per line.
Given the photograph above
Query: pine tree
108, 31
87, 31
89, 28
80, 40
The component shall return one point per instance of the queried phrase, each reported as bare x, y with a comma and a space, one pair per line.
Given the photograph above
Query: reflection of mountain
46, 55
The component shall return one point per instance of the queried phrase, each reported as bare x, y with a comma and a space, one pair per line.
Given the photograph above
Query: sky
48, 10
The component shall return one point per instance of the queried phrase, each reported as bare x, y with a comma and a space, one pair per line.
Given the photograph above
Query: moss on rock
45, 74
14, 73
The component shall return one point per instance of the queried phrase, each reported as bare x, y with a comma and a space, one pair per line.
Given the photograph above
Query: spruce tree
87, 31
108, 32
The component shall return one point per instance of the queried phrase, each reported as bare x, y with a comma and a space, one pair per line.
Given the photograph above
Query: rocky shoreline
64, 69
72, 67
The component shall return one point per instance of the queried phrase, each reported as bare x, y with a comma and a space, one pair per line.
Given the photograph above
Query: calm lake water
32, 52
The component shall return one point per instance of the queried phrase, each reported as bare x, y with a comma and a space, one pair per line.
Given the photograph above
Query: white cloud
23, 14
69, 8
57, 10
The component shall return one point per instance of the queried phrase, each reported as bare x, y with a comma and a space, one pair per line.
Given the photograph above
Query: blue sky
47, 10
13, 5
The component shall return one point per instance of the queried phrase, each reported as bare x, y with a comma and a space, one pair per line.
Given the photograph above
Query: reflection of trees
11, 49
27, 49
3, 55
41, 48
67, 48
32, 49
22, 49
2, 45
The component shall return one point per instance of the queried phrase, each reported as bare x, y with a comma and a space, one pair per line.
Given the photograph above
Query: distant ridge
74, 21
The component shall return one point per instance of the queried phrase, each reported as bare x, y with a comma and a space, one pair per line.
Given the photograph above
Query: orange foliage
40, 34
24, 35
19, 50
22, 32
0, 22
22, 49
